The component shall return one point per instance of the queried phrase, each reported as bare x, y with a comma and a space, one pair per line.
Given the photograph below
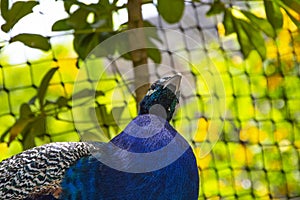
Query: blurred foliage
258, 153
90, 23
93, 23
251, 28
31, 124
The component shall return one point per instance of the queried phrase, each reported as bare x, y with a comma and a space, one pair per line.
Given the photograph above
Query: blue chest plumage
177, 179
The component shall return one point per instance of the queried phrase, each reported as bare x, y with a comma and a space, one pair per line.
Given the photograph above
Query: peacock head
162, 97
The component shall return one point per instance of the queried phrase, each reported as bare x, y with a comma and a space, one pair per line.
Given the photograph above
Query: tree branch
139, 56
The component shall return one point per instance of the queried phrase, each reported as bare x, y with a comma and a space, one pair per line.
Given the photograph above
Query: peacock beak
173, 83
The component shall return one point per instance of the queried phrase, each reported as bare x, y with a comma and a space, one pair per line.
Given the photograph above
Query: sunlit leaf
44, 86
243, 38
4, 151
260, 23
293, 4
295, 21
171, 11
248, 34
255, 37
216, 8
228, 22
288, 6
33, 40
274, 14
19, 10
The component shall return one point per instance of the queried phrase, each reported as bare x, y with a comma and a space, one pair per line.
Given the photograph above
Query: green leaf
216, 8
33, 40
243, 39
255, 37
260, 23
44, 86
61, 25
18, 11
20, 126
295, 21
274, 14
288, 6
78, 19
171, 11
4, 9
62, 102
293, 4
154, 54
67, 5
25, 111
228, 22
38, 127
248, 34
85, 43
28, 141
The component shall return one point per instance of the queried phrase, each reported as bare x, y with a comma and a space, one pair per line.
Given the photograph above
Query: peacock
149, 159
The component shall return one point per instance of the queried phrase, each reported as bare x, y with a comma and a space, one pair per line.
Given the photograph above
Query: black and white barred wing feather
39, 170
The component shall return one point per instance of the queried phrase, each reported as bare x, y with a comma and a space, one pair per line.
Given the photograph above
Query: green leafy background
255, 48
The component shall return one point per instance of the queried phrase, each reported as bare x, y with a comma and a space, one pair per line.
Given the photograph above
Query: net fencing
241, 115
